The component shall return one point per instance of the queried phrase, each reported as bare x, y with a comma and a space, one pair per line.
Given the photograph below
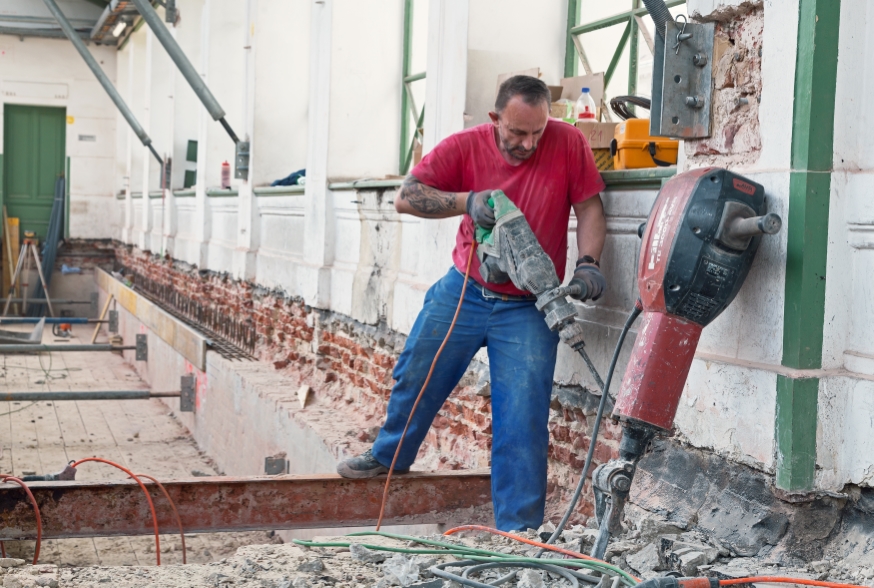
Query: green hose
472, 553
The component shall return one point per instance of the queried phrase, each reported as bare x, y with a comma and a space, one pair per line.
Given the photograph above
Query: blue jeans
522, 353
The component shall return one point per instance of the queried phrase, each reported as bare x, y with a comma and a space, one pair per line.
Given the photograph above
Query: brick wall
349, 367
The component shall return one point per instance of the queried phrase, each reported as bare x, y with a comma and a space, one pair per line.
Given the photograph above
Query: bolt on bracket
241, 161
113, 321
187, 397
142, 350
687, 88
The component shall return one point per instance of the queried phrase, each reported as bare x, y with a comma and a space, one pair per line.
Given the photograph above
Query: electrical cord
145, 491
632, 316
175, 513
8, 478
619, 105
425, 387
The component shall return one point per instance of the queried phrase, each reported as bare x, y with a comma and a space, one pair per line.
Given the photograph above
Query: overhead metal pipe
101, 77
85, 395
29, 348
49, 320
188, 72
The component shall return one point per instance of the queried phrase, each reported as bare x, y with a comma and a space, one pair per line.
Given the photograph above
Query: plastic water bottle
584, 109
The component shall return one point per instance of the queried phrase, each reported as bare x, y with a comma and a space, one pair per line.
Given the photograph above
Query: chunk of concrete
363, 554
11, 562
311, 566
690, 561
645, 560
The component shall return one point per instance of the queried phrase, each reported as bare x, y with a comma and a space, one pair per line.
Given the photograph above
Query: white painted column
127, 231
169, 216
445, 96
248, 225
314, 276
201, 203
145, 242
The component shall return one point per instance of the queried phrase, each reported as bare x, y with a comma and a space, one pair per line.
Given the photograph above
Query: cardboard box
599, 135
561, 110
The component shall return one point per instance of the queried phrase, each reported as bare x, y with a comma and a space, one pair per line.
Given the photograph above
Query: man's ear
495, 117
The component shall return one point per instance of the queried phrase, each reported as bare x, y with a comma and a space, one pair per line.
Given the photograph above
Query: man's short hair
532, 91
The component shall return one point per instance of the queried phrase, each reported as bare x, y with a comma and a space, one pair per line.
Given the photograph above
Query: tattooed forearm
428, 201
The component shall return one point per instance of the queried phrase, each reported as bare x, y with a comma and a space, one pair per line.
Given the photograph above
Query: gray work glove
479, 210
590, 280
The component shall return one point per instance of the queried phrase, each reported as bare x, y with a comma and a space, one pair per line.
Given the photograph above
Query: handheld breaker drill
698, 245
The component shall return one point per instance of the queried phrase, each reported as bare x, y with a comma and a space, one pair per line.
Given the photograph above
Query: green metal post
405, 101
807, 245
570, 50
633, 50
608, 75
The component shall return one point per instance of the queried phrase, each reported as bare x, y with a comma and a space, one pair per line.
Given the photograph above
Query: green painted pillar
807, 246
570, 50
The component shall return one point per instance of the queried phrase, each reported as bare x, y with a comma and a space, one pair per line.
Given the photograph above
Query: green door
34, 139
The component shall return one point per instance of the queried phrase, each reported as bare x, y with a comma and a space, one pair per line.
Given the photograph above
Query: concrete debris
645, 562
361, 553
313, 566
11, 562
401, 571
529, 579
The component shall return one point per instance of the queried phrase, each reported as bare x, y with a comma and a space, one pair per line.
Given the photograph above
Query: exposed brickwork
349, 367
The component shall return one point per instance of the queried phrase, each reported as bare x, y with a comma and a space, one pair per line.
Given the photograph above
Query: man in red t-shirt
546, 168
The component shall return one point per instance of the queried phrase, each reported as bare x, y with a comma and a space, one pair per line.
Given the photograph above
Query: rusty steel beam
105, 509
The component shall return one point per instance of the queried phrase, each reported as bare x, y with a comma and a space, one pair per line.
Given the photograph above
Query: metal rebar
71, 33
85, 395
24, 348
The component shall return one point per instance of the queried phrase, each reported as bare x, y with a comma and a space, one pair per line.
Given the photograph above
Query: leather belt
499, 296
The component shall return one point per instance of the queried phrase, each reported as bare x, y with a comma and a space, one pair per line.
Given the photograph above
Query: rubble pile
651, 549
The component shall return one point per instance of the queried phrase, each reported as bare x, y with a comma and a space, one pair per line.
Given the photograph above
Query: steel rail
219, 504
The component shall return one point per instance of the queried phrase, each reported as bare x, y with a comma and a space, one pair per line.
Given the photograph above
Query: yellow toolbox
633, 148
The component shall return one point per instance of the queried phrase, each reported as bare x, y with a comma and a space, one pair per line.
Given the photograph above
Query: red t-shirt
561, 172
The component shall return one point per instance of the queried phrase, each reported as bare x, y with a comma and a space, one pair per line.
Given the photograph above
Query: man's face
519, 127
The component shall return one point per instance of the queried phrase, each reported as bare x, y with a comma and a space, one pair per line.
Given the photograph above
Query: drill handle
768, 224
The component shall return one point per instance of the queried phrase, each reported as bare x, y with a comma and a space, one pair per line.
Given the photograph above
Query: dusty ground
143, 435
641, 552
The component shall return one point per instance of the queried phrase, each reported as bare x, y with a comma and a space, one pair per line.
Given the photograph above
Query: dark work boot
363, 466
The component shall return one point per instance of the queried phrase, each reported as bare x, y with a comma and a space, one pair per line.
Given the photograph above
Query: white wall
511, 35
35, 71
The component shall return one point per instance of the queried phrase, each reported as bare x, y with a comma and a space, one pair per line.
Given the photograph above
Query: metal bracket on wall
142, 347
687, 87
187, 398
95, 301
241, 161
113, 321
276, 465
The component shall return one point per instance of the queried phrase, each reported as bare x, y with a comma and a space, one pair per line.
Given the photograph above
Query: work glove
590, 280
479, 210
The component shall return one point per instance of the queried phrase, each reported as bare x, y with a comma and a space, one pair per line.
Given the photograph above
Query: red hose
145, 491
175, 512
7, 478
394, 460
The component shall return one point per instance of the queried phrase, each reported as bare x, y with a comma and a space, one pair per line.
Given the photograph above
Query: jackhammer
698, 246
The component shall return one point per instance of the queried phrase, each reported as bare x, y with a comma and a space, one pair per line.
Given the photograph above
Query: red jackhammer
698, 245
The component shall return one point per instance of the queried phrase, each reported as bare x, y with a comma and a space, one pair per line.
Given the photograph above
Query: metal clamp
95, 300
682, 35
142, 351
611, 483
113, 321
187, 399
686, 91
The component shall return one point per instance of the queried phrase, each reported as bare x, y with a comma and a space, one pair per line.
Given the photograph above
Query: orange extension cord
7, 478
425, 387
145, 491
175, 513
